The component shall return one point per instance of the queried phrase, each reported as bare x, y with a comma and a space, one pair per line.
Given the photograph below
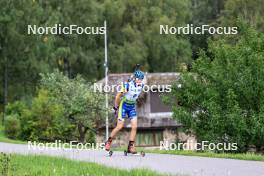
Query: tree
250, 11
22, 56
82, 106
134, 34
221, 100
204, 12
133, 30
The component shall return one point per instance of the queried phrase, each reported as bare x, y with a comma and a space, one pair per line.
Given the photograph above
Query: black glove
115, 110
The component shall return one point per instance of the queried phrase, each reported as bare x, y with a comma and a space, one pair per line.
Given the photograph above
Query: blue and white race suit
127, 106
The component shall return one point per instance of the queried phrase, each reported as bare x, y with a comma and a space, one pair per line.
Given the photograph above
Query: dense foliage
221, 99
132, 38
221, 95
64, 109
83, 107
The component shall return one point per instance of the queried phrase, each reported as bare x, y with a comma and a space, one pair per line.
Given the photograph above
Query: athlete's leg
120, 119
133, 129
119, 126
132, 115
131, 145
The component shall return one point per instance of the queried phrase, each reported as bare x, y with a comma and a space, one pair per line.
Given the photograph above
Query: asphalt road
171, 164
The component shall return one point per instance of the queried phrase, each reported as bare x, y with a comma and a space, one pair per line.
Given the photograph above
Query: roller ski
108, 147
131, 150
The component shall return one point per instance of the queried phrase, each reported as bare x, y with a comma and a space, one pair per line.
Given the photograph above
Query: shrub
221, 100
12, 126
1, 118
44, 120
16, 108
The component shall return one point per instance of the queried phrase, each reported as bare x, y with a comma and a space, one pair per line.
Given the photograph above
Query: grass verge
25, 165
239, 156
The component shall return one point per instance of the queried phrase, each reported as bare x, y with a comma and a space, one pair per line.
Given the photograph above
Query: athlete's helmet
139, 74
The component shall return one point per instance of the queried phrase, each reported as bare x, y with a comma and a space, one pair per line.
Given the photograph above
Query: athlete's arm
118, 99
124, 88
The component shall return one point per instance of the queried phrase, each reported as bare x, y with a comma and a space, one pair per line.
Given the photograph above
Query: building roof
150, 78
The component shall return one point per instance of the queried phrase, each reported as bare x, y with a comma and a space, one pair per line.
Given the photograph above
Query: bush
12, 126
221, 100
83, 107
90, 137
1, 117
44, 120
15, 108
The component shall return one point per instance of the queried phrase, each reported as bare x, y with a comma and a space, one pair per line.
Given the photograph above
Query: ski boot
131, 148
108, 146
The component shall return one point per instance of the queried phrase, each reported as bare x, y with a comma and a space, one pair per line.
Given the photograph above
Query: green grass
239, 156
30, 165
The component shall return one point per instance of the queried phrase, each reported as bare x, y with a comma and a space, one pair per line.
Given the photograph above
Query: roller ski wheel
110, 153
126, 153
142, 154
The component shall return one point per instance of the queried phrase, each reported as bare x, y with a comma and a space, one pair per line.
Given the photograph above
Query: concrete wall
121, 138
170, 135
189, 139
